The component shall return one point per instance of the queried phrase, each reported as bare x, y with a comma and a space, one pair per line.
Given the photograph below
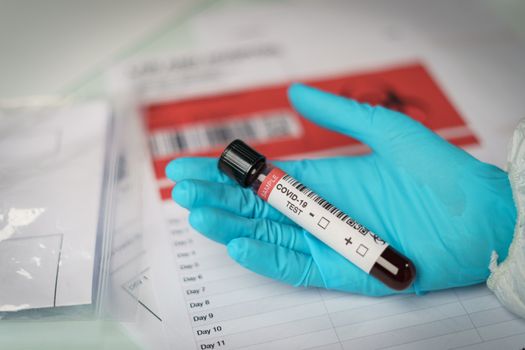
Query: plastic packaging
59, 184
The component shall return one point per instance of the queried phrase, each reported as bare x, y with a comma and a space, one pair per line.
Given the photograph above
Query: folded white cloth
507, 279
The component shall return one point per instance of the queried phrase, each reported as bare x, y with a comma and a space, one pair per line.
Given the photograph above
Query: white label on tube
317, 216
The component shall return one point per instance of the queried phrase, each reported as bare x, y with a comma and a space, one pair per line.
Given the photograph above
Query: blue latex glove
433, 202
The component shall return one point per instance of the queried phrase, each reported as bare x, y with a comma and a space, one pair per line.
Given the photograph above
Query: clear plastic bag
67, 185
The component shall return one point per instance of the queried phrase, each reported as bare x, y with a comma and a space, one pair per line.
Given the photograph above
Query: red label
173, 125
269, 183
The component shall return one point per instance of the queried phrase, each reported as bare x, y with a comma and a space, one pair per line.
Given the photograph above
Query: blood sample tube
317, 216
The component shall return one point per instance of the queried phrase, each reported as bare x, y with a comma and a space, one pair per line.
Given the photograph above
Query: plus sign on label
322, 219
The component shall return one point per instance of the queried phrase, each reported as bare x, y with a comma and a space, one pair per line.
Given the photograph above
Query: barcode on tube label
322, 219
262, 127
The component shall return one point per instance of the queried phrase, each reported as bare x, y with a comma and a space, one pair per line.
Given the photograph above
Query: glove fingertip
333, 112
295, 90
181, 194
171, 170
301, 94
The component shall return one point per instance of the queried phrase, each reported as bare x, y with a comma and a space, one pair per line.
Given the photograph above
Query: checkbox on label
323, 222
361, 250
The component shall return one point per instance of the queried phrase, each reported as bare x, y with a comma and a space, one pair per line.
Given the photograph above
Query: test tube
316, 215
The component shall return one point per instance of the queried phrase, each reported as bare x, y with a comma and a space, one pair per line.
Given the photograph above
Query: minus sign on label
312, 214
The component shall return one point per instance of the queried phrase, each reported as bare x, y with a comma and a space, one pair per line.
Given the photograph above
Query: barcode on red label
262, 127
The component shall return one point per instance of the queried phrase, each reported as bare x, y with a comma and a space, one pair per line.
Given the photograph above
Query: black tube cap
241, 162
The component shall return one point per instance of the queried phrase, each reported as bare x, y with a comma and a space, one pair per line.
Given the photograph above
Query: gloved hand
433, 202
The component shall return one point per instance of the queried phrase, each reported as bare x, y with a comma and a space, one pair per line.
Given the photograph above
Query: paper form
212, 303
50, 209
229, 307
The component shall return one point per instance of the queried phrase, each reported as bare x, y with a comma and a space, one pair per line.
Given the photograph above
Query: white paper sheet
208, 301
51, 182
229, 307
